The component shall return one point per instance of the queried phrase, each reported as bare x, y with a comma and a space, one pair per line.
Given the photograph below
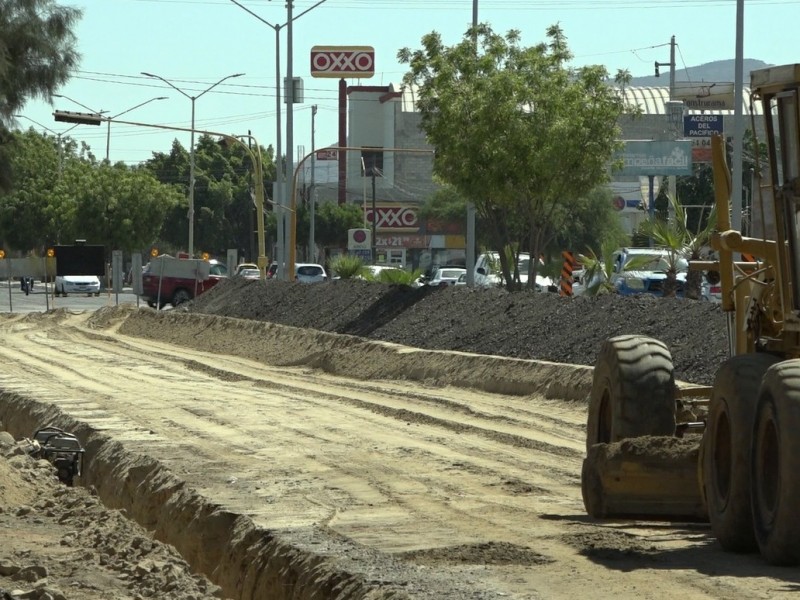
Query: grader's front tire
633, 394
725, 456
633, 391
775, 464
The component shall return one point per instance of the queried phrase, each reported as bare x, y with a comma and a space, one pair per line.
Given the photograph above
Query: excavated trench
246, 561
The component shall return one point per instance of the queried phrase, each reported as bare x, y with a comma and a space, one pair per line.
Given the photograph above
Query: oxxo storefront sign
395, 218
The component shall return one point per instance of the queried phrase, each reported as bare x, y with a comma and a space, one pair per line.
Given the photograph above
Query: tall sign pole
340, 62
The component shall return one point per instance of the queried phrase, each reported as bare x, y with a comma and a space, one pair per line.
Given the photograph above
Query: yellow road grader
729, 453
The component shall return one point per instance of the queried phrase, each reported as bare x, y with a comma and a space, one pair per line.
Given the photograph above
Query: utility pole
470, 255
282, 274
672, 185
312, 249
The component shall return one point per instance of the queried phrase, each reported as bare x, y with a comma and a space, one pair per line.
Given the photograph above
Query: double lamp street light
191, 148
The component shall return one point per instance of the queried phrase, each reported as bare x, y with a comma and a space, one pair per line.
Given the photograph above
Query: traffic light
2, 253
657, 73
77, 117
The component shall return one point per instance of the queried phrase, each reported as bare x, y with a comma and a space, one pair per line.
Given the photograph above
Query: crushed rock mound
491, 321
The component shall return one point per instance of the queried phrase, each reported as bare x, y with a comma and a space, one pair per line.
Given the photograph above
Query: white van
488, 272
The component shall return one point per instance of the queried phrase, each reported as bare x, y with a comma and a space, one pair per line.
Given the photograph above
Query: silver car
77, 284
309, 273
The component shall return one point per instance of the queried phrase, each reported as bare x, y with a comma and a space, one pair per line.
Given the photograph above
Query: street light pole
282, 191
108, 134
191, 149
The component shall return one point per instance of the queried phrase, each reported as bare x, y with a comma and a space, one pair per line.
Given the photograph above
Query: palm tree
598, 271
681, 243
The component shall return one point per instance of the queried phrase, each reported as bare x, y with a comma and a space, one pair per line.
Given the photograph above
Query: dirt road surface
287, 463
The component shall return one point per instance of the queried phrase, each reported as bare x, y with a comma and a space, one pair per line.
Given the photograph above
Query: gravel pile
482, 320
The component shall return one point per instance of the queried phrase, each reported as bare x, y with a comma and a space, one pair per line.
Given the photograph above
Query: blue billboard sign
656, 158
702, 125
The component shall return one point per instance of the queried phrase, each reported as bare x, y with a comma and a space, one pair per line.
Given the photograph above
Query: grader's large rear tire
633, 391
725, 457
775, 464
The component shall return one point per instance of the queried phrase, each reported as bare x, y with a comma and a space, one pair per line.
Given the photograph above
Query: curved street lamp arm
177, 89
91, 110
308, 10
45, 127
137, 106
275, 27
216, 84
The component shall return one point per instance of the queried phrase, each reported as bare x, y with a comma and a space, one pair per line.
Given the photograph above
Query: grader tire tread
725, 457
633, 391
775, 463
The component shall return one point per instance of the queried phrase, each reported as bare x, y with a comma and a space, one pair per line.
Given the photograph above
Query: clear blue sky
195, 43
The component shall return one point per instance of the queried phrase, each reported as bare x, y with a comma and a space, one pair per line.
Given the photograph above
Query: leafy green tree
37, 55
331, 222
590, 221
68, 195
31, 215
515, 130
223, 194
121, 208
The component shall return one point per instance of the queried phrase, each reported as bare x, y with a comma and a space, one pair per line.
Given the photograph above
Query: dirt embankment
281, 464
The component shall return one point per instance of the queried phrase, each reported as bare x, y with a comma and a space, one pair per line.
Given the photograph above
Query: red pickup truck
169, 280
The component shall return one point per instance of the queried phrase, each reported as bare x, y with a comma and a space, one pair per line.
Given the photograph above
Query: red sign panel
327, 155
342, 61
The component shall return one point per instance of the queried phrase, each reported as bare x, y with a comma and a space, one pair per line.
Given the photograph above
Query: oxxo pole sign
343, 61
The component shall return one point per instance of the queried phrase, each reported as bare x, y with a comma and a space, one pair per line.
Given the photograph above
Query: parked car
488, 272
446, 276
376, 270
242, 266
303, 272
462, 280
77, 284
309, 273
249, 273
